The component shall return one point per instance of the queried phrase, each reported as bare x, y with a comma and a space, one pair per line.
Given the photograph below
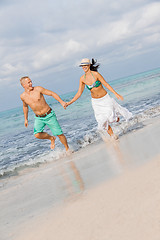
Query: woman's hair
94, 66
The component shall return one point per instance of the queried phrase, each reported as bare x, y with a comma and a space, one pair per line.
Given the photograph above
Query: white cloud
55, 54
10, 69
113, 32
149, 15
40, 35
72, 47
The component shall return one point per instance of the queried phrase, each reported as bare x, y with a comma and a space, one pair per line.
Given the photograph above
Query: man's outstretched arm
54, 95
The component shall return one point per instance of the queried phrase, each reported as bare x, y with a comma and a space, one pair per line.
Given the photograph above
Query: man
44, 115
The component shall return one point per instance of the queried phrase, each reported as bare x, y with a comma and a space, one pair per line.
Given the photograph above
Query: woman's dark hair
94, 66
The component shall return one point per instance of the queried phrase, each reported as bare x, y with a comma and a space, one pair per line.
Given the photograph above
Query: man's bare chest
33, 98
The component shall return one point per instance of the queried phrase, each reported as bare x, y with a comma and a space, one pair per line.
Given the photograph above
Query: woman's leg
110, 131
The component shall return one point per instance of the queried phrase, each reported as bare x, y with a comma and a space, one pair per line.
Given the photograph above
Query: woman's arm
101, 79
79, 93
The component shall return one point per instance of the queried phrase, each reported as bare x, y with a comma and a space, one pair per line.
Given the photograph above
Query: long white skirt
107, 110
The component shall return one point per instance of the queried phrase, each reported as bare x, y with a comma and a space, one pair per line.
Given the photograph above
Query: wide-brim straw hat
85, 61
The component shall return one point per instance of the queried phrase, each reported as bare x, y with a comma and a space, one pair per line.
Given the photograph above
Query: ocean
20, 149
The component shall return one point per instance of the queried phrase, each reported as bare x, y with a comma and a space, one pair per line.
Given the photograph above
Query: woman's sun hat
84, 61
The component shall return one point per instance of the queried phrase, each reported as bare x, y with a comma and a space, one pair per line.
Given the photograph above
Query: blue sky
47, 39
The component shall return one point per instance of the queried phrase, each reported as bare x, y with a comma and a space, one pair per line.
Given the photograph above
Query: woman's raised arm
102, 80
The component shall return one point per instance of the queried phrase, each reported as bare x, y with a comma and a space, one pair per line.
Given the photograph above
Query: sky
46, 41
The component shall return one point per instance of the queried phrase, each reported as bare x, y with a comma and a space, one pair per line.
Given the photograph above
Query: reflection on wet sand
71, 176
100, 163
114, 150
78, 182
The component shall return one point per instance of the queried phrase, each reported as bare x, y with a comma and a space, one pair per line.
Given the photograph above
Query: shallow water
19, 148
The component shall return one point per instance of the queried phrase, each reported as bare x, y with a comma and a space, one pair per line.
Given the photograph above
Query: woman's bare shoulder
82, 80
96, 74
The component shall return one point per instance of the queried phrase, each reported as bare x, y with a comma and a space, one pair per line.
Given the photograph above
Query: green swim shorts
51, 121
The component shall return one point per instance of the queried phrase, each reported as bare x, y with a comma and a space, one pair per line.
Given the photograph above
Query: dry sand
111, 192
125, 208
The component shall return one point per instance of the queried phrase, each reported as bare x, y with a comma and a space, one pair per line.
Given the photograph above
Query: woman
106, 109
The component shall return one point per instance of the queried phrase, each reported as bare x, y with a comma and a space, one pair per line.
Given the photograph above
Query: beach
80, 120
107, 190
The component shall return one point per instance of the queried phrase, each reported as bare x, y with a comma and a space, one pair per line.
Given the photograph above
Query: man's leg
53, 124
44, 135
63, 140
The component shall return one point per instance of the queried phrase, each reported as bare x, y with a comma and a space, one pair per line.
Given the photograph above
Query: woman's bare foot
118, 119
53, 142
114, 136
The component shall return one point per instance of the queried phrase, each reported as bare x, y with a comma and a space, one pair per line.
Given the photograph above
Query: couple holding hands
106, 109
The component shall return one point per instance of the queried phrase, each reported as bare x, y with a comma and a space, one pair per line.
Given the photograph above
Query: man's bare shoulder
22, 96
38, 88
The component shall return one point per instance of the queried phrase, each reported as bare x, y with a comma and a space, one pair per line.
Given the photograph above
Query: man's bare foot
53, 142
69, 152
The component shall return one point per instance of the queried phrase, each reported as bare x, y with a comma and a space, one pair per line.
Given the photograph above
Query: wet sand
109, 190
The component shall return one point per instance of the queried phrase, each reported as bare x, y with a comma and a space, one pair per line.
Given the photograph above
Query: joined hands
65, 104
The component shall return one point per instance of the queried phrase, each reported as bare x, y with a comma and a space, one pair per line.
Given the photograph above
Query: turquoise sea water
19, 147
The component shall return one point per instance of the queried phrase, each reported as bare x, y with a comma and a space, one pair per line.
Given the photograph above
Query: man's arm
52, 94
25, 111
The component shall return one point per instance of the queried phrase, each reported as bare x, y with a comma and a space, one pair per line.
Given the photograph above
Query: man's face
28, 84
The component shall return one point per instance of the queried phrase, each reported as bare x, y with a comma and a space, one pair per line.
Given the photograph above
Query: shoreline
62, 156
37, 193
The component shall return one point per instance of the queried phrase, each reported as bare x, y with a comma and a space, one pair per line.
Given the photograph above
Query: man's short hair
22, 80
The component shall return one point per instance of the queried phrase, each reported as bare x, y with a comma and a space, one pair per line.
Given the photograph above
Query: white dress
107, 110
